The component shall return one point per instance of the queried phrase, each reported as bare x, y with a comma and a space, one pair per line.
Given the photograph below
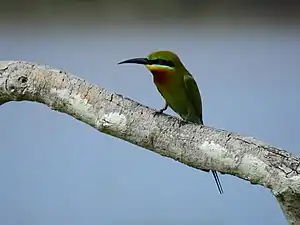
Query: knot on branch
15, 79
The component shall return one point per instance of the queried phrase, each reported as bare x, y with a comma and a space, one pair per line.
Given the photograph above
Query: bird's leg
160, 111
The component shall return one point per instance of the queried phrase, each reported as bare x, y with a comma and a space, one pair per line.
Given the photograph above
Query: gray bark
200, 147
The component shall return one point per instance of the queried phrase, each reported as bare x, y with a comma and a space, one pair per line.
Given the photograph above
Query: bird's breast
161, 77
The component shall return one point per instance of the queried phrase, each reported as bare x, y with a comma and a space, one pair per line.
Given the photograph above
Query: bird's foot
183, 122
160, 111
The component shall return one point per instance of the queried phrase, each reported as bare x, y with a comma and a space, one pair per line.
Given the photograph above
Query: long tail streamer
217, 181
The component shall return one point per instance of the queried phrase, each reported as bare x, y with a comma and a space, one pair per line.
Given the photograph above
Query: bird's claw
158, 112
181, 123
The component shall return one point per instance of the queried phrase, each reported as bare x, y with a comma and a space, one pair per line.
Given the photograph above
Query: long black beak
143, 61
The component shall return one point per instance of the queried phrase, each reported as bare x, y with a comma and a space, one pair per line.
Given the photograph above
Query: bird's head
159, 61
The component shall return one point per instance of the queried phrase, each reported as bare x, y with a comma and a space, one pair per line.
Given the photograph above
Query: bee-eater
177, 86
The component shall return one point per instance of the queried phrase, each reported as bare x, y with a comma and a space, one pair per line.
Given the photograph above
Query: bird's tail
213, 171
217, 181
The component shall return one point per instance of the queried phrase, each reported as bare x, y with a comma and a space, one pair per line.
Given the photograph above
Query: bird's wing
193, 94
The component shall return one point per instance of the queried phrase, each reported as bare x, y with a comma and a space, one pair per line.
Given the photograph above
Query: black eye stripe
162, 62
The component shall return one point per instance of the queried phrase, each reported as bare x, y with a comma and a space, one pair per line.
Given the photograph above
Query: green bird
177, 86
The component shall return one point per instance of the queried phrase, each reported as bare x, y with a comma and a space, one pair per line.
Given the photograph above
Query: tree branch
197, 146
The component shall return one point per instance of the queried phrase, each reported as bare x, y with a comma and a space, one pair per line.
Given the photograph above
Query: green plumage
180, 90
177, 86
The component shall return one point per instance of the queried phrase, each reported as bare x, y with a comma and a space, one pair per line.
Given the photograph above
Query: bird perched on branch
177, 86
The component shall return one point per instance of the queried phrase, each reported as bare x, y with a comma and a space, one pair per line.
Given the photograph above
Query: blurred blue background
56, 170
